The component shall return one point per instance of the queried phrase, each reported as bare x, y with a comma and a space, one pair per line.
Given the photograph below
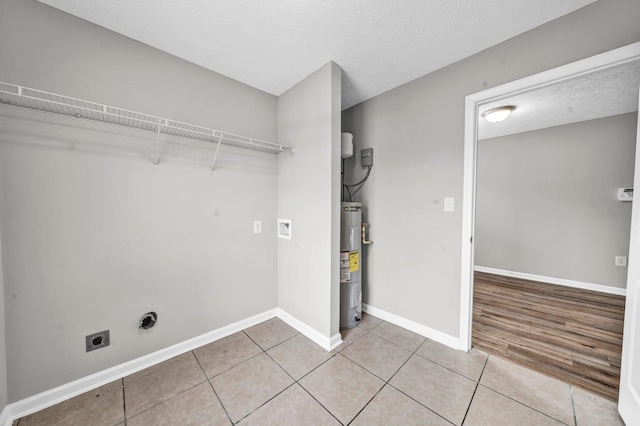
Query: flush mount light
496, 115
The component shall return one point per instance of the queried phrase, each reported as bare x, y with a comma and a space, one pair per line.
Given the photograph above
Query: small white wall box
625, 194
284, 229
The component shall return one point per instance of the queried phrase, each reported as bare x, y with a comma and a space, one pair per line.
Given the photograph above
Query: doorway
480, 101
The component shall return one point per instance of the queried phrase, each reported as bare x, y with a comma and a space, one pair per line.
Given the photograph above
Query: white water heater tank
347, 145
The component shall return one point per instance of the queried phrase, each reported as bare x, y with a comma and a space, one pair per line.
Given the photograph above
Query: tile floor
270, 374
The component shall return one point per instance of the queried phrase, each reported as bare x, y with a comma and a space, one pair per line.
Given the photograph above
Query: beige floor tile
391, 407
197, 406
271, 332
349, 336
545, 394
259, 391
377, 355
469, 364
398, 335
299, 355
226, 353
342, 387
249, 385
489, 408
439, 389
368, 321
292, 407
102, 406
592, 410
155, 384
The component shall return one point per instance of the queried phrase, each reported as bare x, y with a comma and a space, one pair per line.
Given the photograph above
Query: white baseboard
328, 343
5, 417
336, 340
423, 330
557, 281
61, 393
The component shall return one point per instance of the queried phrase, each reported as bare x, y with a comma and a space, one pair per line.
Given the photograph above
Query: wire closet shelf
61, 104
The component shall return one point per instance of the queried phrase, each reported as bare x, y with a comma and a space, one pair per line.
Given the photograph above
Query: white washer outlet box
448, 204
621, 260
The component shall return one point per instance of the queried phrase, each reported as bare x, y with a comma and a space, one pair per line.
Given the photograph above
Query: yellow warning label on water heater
354, 261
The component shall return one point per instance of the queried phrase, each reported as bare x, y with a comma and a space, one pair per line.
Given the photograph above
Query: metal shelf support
215, 156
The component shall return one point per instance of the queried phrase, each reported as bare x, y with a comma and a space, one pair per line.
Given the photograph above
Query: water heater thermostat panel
366, 157
625, 194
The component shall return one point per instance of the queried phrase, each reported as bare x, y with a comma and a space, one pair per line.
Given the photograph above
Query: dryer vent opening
148, 320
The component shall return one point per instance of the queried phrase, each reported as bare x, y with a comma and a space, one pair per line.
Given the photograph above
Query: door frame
473, 103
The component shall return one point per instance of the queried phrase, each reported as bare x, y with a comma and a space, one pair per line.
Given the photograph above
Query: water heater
350, 265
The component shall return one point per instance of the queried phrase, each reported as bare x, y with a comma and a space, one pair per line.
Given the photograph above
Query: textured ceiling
272, 45
595, 95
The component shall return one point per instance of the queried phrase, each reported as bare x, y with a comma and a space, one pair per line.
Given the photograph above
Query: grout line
311, 371
124, 402
385, 382
220, 401
211, 385
454, 371
402, 392
573, 406
466, 413
523, 404
314, 398
281, 367
486, 361
175, 394
263, 351
169, 398
400, 346
265, 403
420, 403
295, 382
271, 347
199, 364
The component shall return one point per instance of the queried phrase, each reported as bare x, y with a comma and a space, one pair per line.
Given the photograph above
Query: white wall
309, 195
546, 201
92, 235
417, 130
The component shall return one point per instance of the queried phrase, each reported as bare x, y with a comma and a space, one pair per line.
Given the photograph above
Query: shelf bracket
157, 160
215, 156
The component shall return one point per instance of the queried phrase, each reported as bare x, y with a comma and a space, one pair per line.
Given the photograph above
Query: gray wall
547, 204
417, 130
309, 195
3, 347
92, 235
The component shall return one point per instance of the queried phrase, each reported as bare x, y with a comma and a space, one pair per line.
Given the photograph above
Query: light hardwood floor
571, 334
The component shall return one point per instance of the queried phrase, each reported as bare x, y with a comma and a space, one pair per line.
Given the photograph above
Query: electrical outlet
257, 227
97, 340
621, 261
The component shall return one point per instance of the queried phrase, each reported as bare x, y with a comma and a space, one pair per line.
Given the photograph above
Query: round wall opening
148, 320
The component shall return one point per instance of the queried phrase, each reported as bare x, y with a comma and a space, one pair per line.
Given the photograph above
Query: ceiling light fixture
496, 115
